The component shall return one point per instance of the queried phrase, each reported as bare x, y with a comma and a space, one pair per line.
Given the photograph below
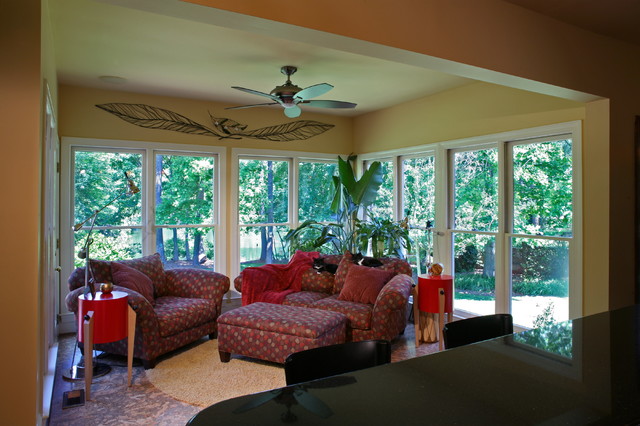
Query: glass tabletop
585, 371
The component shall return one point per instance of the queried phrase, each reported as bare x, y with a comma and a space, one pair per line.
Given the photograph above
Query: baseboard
67, 323
49, 379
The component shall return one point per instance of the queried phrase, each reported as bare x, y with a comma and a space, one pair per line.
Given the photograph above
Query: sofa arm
389, 312
196, 284
237, 283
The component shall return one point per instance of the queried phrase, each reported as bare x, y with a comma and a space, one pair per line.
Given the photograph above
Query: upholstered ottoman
272, 332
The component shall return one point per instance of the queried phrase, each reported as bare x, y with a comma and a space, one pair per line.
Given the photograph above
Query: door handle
58, 268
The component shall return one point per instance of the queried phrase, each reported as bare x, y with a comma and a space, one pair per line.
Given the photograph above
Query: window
185, 209
274, 192
475, 222
175, 213
506, 215
99, 179
263, 210
418, 205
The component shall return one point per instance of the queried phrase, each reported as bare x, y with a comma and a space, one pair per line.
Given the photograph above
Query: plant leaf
366, 189
296, 130
156, 118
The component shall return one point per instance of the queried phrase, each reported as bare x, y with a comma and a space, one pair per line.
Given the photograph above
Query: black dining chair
477, 329
337, 359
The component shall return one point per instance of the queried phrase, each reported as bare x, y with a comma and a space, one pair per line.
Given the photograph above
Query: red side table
106, 318
433, 295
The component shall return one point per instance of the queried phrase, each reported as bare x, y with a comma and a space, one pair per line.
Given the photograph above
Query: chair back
477, 329
337, 359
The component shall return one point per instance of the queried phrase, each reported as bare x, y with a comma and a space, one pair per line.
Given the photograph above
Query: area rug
198, 377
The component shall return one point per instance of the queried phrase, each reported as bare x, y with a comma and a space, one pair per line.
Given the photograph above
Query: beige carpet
198, 377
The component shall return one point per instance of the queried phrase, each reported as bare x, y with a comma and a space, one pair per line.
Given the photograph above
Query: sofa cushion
363, 284
358, 314
132, 279
321, 282
303, 298
341, 274
177, 314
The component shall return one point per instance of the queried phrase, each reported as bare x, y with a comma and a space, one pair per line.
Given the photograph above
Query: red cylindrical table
109, 316
105, 318
433, 298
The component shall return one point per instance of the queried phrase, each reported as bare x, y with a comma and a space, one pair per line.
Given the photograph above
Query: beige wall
471, 110
20, 215
495, 41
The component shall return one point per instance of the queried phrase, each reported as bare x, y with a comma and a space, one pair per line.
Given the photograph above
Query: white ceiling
166, 55
174, 48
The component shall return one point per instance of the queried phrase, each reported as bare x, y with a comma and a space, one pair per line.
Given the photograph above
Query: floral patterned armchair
184, 306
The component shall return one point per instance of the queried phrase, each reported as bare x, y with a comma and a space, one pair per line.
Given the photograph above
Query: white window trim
442, 232
149, 148
264, 154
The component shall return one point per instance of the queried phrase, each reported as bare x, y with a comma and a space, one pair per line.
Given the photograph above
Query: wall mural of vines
223, 128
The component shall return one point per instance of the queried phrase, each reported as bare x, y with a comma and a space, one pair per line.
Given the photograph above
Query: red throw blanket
271, 283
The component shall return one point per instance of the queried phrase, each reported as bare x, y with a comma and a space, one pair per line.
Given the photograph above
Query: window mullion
503, 242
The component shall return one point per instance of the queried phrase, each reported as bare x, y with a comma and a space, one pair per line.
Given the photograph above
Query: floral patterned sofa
182, 306
385, 319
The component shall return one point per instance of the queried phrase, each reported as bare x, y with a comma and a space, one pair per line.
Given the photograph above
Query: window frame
443, 232
148, 149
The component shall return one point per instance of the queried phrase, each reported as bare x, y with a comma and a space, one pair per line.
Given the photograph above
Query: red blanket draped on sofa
272, 282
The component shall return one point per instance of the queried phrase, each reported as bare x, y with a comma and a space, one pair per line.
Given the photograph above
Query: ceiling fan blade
313, 91
253, 105
329, 104
255, 92
292, 112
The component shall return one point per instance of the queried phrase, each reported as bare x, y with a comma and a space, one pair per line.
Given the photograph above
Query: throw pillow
132, 279
363, 284
341, 273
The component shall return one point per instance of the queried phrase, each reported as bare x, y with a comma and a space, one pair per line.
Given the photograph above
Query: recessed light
112, 79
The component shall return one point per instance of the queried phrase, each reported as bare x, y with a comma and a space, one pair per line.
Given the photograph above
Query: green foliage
467, 260
475, 283
479, 283
476, 190
549, 335
387, 237
540, 261
542, 188
351, 197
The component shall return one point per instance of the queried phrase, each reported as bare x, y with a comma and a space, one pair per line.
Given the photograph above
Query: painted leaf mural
223, 128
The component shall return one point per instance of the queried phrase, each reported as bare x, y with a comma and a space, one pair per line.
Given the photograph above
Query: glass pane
539, 281
184, 190
263, 195
99, 177
262, 244
383, 206
475, 265
109, 244
542, 188
418, 190
476, 190
177, 247
315, 191
422, 250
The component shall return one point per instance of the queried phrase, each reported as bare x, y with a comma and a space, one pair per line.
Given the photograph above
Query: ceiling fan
291, 96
